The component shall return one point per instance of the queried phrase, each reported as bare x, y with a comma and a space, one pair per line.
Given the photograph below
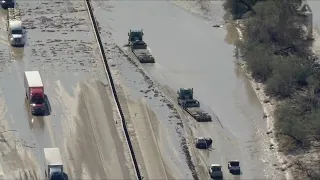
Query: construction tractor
136, 39
185, 98
139, 47
192, 106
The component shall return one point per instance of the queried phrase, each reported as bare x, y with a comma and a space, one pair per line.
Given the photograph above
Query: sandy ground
83, 121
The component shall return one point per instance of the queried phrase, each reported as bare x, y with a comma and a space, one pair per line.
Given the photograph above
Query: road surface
83, 121
190, 53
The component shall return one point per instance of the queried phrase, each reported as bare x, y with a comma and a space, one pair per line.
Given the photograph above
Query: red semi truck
34, 92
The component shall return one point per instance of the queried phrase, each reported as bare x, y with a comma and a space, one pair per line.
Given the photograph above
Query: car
215, 171
5, 4
234, 167
203, 143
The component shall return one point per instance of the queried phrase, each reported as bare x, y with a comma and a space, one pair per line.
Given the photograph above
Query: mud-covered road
83, 121
191, 53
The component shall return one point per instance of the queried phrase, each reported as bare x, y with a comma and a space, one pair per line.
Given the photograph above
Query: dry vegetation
277, 54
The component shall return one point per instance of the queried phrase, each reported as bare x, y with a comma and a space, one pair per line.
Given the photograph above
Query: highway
83, 121
191, 53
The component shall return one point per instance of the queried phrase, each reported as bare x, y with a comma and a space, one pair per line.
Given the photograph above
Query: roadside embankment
280, 65
283, 73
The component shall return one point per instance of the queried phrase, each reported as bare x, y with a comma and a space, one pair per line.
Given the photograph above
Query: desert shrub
298, 121
259, 61
288, 73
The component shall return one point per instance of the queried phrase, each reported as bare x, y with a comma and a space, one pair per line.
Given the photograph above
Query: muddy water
190, 53
61, 46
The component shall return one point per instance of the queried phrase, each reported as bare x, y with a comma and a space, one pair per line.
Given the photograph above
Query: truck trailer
16, 34
192, 106
138, 47
34, 92
53, 164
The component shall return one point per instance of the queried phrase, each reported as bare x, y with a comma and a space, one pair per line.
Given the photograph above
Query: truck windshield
234, 163
17, 31
37, 100
216, 168
57, 176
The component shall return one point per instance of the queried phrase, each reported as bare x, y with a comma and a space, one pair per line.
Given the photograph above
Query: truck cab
16, 33
136, 39
37, 100
185, 98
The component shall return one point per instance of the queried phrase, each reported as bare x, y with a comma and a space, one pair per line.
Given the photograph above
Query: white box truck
34, 92
16, 33
53, 164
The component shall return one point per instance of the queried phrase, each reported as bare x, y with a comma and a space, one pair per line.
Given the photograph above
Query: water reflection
16, 54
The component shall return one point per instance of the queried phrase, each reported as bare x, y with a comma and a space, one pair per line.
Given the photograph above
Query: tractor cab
136, 39
185, 93
185, 98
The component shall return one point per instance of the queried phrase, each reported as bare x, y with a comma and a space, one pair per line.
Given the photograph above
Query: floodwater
190, 53
81, 123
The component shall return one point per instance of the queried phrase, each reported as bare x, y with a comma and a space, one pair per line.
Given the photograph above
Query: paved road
82, 123
190, 53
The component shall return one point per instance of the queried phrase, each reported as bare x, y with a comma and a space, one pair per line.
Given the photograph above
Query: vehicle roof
234, 161
201, 138
214, 165
52, 156
136, 30
33, 78
15, 25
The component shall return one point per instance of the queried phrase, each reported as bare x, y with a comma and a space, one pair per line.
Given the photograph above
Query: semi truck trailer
34, 92
53, 164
